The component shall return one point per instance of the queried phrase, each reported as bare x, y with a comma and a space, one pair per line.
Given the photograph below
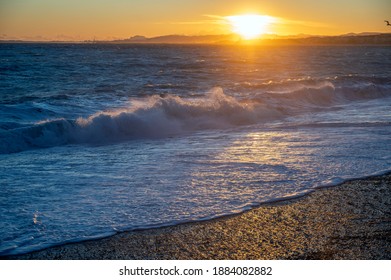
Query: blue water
98, 139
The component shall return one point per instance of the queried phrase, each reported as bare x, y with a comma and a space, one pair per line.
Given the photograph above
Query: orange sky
103, 19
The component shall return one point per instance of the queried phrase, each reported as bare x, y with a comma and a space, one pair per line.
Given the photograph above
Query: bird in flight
388, 23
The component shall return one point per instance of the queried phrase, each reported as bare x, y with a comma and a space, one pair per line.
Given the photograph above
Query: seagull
388, 23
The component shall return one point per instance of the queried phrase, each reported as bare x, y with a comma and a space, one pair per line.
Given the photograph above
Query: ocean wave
168, 115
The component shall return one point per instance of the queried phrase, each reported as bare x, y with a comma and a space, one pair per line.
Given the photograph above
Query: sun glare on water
249, 26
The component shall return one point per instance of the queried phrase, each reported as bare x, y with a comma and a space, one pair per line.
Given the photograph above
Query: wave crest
162, 116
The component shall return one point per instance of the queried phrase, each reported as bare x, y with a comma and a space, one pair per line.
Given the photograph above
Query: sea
97, 139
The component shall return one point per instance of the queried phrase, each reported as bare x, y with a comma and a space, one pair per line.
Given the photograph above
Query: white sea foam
156, 116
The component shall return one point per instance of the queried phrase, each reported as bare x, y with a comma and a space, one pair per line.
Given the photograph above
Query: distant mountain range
365, 38
182, 39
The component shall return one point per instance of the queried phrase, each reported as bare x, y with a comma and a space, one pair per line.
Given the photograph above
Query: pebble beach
351, 221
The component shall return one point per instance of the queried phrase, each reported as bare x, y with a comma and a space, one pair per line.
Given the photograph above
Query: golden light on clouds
250, 26
116, 19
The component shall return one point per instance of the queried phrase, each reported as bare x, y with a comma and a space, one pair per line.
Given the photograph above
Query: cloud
213, 20
273, 20
218, 23
302, 23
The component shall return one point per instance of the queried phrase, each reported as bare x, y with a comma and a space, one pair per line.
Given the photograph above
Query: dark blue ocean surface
97, 139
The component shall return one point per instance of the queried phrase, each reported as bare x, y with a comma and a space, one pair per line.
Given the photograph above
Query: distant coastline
366, 38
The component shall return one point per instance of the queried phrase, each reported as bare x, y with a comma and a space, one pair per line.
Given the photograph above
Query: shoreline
348, 221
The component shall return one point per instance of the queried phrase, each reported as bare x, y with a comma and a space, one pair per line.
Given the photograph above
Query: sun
249, 26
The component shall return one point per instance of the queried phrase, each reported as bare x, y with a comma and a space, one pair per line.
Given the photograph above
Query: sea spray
170, 115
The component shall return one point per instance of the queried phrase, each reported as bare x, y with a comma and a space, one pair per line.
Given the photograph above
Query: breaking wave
162, 116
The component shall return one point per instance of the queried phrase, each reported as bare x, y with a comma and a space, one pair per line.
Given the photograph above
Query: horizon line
266, 36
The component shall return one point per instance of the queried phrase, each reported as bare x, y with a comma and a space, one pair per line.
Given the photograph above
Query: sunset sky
117, 19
